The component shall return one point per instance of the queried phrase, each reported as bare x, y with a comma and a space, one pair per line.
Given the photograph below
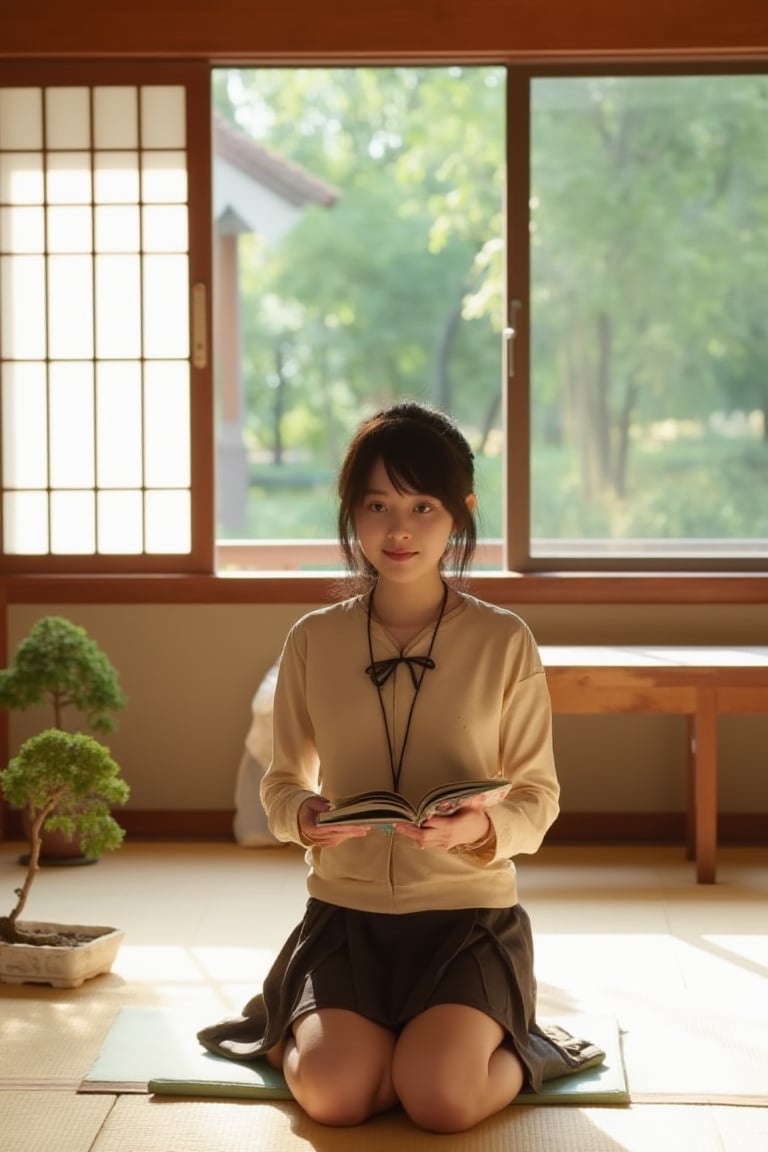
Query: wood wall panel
237, 30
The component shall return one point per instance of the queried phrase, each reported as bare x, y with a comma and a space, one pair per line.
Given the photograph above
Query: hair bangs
416, 459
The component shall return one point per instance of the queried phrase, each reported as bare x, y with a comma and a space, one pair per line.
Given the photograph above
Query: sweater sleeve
293, 772
527, 759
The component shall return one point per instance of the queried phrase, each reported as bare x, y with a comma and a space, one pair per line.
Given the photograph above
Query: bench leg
690, 781
705, 784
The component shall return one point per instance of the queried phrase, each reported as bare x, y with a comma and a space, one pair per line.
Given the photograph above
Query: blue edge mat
155, 1050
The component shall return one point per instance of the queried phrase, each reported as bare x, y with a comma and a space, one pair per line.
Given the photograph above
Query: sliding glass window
648, 427
572, 265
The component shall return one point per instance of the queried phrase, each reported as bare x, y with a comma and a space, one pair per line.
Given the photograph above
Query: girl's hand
468, 825
325, 835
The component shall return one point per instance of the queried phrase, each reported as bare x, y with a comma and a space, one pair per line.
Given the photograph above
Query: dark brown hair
422, 451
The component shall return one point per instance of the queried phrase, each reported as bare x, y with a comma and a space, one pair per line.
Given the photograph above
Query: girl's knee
339, 1096
437, 1109
449, 1095
334, 1107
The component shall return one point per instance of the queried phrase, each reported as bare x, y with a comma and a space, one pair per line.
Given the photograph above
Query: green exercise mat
156, 1050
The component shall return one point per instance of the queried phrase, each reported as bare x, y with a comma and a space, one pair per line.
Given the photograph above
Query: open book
390, 807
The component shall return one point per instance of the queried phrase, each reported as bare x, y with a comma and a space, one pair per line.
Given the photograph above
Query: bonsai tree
66, 781
58, 662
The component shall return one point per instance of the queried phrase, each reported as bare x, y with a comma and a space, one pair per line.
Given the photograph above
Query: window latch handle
199, 327
510, 332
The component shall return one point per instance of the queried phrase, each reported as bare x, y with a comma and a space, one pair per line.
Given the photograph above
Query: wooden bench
699, 683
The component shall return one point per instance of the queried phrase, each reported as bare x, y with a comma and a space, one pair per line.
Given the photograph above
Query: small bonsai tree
67, 781
62, 781
58, 662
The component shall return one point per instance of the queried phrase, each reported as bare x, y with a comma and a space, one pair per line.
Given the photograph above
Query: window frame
195, 78
518, 388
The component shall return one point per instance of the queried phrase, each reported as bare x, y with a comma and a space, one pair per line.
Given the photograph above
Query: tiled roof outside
268, 168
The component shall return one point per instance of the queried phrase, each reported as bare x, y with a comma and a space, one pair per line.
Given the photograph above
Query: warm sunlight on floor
622, 932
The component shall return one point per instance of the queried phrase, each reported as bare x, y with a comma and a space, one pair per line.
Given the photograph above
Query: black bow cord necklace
381, 670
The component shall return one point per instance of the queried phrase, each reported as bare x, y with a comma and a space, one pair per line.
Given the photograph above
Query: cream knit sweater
482, 711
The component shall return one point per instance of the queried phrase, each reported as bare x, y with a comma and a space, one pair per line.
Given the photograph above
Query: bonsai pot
57, 849
85, 951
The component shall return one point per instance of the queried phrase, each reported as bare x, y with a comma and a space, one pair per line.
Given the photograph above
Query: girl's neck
407, 606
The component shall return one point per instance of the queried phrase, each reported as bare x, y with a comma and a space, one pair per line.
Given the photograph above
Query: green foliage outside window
648, 330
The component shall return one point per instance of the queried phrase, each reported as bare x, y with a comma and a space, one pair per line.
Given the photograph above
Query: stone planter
60, 965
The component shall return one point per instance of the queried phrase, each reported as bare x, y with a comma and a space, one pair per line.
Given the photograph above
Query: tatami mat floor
619, 931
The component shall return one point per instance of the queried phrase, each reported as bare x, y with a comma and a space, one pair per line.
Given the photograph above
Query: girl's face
402, 534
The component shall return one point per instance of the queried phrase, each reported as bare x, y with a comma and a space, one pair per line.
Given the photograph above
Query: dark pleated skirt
390, 968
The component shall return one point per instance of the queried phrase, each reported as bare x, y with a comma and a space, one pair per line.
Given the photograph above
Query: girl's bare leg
338, 1065
449, 1071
